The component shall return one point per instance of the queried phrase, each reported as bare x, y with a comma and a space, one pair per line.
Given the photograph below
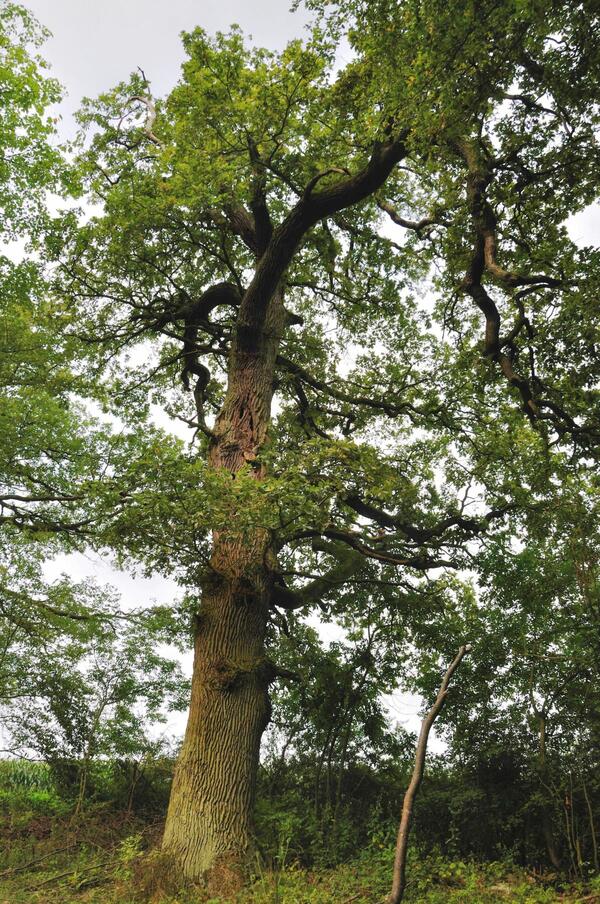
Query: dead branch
150, 118
399, 874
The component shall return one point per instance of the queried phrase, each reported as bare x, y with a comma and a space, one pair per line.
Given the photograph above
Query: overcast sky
93, 46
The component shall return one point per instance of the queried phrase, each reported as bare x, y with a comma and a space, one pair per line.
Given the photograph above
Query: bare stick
150, 119
19, 869
399, 877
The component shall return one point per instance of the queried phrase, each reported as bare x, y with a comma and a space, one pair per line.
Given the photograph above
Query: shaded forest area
310, 337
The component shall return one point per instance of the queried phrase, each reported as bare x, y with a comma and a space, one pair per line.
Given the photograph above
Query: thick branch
241, 222
303, 216
416, 225
480, 172
421, 535
263, 227
348, 561
421, 562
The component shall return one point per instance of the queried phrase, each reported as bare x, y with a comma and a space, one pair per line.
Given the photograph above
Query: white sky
96, 44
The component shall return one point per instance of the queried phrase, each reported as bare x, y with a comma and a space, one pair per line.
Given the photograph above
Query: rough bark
209, 823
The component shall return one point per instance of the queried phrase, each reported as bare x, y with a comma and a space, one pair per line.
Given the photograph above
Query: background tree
91, 699
59, 458
329, 734
42, 443
527, 719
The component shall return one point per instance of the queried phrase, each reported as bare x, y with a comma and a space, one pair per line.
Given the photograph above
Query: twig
18, 869
70, 872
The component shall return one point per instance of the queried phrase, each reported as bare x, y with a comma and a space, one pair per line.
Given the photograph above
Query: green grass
432, 880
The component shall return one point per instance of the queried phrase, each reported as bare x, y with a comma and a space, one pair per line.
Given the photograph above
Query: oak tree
298, 258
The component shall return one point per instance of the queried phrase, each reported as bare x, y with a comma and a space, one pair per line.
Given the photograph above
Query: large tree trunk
209, 823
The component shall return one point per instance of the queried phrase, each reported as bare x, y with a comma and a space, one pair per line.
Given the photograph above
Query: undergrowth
113, 860
113, 857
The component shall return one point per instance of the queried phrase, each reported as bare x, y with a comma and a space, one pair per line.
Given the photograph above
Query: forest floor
113, 858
